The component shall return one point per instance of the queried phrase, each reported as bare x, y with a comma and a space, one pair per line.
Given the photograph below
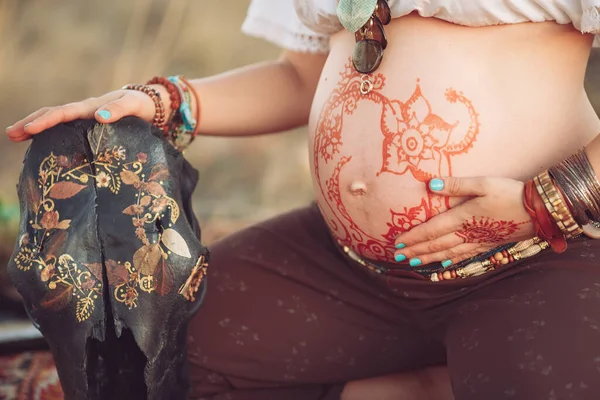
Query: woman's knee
425, 384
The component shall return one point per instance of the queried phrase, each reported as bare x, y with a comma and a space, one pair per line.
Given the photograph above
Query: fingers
440, 225
449, 256
57, 115
16, 131
452, 186
440, 244
48, 117
129, 104
447, 221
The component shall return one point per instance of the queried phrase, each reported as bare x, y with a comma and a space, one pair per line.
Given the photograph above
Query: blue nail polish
105, 114
400, 246
436, 184
446, 263
400, 257
415, 262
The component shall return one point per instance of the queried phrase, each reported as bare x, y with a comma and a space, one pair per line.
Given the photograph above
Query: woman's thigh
534, 335
286, 315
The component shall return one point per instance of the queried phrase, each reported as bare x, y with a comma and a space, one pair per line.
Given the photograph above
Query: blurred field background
54, 52
58, 51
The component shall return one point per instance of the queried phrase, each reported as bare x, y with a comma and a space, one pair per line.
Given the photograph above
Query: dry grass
57, 52
53, 52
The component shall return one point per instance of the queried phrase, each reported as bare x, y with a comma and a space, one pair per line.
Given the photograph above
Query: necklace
366, 19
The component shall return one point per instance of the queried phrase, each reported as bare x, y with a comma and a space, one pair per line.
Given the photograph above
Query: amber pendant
367, 56
382, 12
371, 40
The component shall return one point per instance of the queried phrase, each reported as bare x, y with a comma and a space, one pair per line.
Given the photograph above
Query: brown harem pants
288, 316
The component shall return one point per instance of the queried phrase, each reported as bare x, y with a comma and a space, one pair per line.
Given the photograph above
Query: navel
358, 188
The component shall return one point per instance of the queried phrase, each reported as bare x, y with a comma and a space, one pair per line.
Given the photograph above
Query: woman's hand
494, 215
108, 108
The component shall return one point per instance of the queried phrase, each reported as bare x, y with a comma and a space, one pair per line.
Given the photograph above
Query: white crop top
305, 25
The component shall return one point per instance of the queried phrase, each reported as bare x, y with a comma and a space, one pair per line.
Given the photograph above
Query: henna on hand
487, 230
490, 218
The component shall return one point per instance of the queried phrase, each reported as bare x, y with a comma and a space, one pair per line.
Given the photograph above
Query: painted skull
109, 260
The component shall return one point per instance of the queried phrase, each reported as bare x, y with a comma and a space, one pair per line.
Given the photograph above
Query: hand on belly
356, 189
494, 215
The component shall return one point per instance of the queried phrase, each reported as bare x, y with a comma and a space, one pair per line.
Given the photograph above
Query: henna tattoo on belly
487, 230
415, 141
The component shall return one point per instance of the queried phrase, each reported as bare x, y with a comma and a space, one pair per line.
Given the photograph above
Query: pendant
383, 13
371, 40
366, 85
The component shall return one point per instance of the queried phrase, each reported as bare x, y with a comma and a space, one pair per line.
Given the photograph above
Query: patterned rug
29, 376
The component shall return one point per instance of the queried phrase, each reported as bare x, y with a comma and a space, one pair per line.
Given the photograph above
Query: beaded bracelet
476, 266
181, 127
174, 96
159, 114
521, 250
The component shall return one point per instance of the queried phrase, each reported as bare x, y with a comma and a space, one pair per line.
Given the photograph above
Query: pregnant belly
435, 112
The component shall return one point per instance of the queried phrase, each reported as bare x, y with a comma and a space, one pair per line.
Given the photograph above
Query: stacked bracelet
198, 107
159, 114
556, 206
570, 194
184, 127
546, 227
579, 186
174, 96
181, 128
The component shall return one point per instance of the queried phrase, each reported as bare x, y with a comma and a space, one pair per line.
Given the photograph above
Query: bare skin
266, 98
452, 101
487, 98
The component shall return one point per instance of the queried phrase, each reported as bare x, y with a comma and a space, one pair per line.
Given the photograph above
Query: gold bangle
556, 206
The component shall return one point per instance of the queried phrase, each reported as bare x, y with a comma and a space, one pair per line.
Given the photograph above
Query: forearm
262, 98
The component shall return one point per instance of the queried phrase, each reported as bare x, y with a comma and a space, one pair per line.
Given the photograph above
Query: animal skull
109, 260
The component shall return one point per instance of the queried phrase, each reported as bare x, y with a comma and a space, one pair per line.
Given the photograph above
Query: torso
495, 101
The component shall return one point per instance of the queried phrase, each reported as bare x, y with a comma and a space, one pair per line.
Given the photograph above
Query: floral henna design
415, 140
343, 100
406, 220
487, 230
418, 140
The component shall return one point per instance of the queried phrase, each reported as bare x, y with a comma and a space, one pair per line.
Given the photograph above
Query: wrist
173, 99
545, 224
181, 100
165, 97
